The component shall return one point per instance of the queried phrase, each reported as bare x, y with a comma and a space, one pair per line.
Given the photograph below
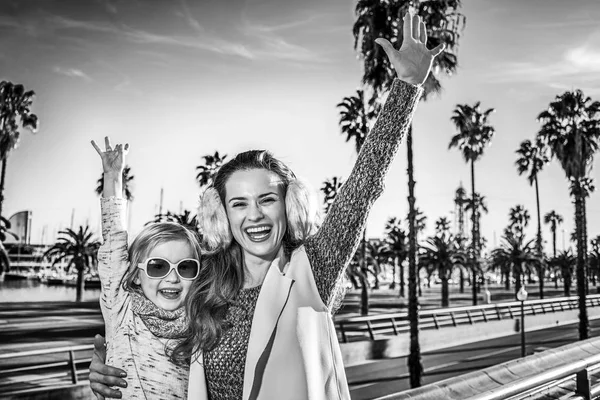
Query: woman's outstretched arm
331, 248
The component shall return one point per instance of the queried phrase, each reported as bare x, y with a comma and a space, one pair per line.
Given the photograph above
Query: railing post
453, 319
371, 334
583, 385
435, 321
498, 313
394, 326
344, 338
484, 315
73, 367
469, 315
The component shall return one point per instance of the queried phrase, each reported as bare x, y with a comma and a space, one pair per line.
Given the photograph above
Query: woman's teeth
259, 233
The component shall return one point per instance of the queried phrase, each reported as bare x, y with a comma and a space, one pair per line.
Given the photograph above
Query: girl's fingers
97, 148
107, 143
126, 146
423, 33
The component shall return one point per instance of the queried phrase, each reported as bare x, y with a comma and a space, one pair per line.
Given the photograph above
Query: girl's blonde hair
151, 236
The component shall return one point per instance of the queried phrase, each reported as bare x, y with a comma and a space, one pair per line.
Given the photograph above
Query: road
34, 326
379, 378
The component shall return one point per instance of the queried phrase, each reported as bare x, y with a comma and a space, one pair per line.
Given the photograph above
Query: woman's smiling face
255, 207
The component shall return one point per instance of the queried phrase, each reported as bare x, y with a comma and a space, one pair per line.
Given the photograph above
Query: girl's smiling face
169, 292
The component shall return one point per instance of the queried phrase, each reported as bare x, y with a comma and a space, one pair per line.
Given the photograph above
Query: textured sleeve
330, 250
112, 255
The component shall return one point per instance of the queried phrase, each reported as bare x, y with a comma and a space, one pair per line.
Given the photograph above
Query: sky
178, 80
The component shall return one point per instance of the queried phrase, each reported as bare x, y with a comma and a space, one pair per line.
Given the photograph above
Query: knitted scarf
162, 324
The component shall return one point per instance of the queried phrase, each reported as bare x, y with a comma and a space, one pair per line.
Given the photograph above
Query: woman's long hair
222, 274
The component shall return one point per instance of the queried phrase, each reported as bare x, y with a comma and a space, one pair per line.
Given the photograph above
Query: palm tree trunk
554, 239
402, 282
473, 234
584, 241
445, 291
581, 278
364, 293
507, 280
461, 281
80, 266
541, 266
415, 368
2, 177
394, 267
567, 285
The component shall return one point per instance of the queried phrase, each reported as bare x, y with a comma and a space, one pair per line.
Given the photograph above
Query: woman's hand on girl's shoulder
102, 377
413, 61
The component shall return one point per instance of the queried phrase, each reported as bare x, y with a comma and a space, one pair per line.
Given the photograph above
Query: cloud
578, 66
72, 73
272, 45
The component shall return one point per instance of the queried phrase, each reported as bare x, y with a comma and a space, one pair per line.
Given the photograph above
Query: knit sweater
129, 343
330, 250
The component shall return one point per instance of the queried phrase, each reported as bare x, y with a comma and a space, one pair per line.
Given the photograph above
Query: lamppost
522, 296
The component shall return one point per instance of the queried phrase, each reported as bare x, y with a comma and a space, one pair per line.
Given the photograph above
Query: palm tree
212, 163
355, 118
330, 189
564, 263
571, 130
185, 218
532, 158
15, 104
378, 254
594, 258
474, 134
4, 230
397, 243
518, 217
442, 226
438, 253
460, 200
514, 254
127, 184
383, 19
81, 250
554, 219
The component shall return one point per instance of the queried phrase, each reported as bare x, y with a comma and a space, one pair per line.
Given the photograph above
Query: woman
262, 329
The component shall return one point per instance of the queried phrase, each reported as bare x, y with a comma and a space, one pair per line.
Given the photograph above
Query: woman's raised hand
413, 61
113, 160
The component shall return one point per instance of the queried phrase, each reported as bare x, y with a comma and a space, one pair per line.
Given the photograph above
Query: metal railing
59, 370
368, 327
528, 386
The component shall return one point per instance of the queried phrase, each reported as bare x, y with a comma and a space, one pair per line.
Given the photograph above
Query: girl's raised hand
413, 61
113, 160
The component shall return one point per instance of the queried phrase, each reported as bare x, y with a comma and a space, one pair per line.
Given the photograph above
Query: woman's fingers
416, 25
102, 391
97, 148
387, 46
437, 50
423, 33
407, 31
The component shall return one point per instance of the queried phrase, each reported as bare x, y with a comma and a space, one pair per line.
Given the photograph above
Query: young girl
143, 291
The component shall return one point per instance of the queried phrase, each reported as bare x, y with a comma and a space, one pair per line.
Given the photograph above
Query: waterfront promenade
27, 326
